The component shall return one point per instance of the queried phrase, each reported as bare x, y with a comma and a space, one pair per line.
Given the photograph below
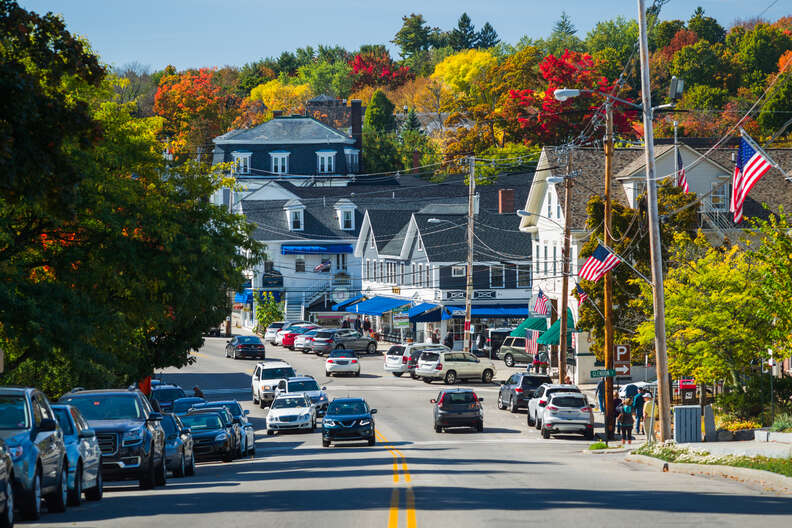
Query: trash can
687, 391
687, 423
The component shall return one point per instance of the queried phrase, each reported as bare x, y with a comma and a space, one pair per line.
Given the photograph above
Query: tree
664, 31
374, 67
487, 37
464, 72
276, 95
327, 78
379, 114
562, 38
463, 36
380, 151
703, 63
618, 34
412, 123
137, 85
564, 25
267, 310
705, 27
777, 109
251, 75
758, 49
414, 36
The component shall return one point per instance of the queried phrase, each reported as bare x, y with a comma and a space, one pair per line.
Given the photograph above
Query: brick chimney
505, 201
356, 122
277, 113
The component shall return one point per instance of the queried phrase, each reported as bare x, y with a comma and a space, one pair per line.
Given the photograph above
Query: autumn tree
375, 67
277, 95
707, 28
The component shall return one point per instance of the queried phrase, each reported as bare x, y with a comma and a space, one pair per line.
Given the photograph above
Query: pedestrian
366, 325
567, 380
449, 340
357, 324
436, 337
649, 409
638, 402
345, 323
614, 413
197, 392
543, 361
601, 394
625, 418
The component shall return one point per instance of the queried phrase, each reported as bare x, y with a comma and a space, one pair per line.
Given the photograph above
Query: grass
671, 453
600, 445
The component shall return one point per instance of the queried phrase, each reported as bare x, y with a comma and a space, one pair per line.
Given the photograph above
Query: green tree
665, 31
487, 37
414, 36
777, 110
380, 151
326, 78
759, 49
267, 310
379, 114
563, 37
619, 34
412, 123
700, 97
705, 27
251, 75
702, 63
463, 36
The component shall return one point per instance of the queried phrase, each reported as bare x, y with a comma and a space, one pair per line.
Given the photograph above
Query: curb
765, 479
612, 451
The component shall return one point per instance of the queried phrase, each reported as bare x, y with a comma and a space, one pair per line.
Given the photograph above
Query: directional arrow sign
624, 370
602, 373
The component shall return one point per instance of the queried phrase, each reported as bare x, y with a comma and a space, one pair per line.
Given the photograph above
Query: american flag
582, 295
323, 266
531, 346
540, 306
681, 180
751, 165
599, 263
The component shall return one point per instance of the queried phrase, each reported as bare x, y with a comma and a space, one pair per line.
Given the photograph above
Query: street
505, 476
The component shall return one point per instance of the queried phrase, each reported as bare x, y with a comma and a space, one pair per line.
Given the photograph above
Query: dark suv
344, 338
517, 390
165, 394
129, 432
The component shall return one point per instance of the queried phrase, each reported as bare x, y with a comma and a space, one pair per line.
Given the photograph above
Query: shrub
782, 423
735, 424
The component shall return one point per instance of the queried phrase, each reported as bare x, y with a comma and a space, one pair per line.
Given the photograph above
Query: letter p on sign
622, 353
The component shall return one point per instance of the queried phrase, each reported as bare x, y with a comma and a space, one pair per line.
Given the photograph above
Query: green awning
532, 323
551, 336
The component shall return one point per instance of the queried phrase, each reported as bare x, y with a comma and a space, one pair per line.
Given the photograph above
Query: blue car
178, 446
348, 419
83, 453
181, 406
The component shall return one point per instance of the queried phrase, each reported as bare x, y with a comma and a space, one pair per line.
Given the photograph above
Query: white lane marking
210, 392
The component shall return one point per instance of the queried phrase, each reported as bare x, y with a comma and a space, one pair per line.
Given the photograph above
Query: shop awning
492, 310
376, 305
532, 323
551, 336
347, 302
422, 308
428, 313
316, 249
244, 297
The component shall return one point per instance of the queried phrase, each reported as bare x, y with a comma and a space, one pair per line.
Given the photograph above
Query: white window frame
549, 204
401, 273
371, 242
412, 276
301, 215
419, 246
458, 270
524, 268
297, 260
343, 217
325, 162
503, 275
546, 263
341, 261
720, 193
555, 259
368, 270
242, 162
352, 160
429, 277
419, 280
279, 162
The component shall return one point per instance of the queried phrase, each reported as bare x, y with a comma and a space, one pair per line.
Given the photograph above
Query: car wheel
181, 470
162, 472
357, 374
31, 506
427, 380
7, 519
149, 477
75, 494
509, 360
270, 432
512, 406
450, 377
372, 440
328, 374
371, 349
486, 376
325, 443
190, 469
501, 405
262, 403
56, 501
546, 434
530, 420
438, 429
397, 374
95, 493
480, 427
589, 435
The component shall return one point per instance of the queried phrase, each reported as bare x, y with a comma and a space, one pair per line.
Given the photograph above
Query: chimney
416, 161
505, 201
356, 122
277, 113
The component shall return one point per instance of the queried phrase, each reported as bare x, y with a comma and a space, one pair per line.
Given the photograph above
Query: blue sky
192, 33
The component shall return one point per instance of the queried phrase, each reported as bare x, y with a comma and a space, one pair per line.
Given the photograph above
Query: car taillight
239, 346
440, 401
517, 390
353, 361
552, 408
404, 359
585, 409
259, 346
309, 338
439, 366
330, 361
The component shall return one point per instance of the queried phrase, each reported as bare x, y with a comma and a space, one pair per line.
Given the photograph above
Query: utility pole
469, 273
663, 389
608, 284
562, 331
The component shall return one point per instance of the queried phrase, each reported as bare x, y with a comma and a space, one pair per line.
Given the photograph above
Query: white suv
266, 378
453, 366
291, 411
567, 412
403, 358
540, 398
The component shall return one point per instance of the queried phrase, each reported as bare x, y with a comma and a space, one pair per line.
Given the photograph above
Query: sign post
622, 360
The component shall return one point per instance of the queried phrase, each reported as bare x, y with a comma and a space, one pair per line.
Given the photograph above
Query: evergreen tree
464, 35
564, 26
487, 37
414, 35
412, 123
707, 28
379, 114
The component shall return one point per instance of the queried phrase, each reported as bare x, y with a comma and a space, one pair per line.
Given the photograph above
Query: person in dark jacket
638, 404
366, 325
449, 340
357, 325
345, 323
197, 392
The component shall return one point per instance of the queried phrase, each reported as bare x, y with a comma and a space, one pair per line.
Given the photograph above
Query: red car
288, 337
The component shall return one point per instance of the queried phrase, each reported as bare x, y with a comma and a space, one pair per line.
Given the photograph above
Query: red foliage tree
377, 69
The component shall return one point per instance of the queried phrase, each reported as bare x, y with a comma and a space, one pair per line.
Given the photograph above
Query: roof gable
286, 131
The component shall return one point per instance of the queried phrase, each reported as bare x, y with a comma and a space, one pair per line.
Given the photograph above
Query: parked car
6, 487
567, 412
457, 408
182, 406
494, 338
232, 428
342, 362
35, 442
241, 347
348, 419
516, 391
344, 338
402, 359
291, 334
129, 433
302, 342
246, 428
83, 454
291, 412
164, 395
179, 455
289, 326
513, 351
453, 366
309, 386
211, 439
539, 397
265, 380
272, 330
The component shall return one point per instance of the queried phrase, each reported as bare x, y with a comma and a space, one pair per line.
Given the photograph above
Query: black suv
165, 394
517, 390
129, 432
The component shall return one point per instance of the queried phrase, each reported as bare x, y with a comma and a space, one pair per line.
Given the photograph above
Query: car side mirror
87, 433
373, 411
324, 388
246, 412
186, 430
48, 424
155, 417
542, 404
432, 401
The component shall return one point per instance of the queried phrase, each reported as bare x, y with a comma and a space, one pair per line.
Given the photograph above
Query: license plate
342, 362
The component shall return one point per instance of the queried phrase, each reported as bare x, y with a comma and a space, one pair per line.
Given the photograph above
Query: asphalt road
414, 477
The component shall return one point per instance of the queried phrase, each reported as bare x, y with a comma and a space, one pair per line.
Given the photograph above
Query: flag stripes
598, 264
751, 165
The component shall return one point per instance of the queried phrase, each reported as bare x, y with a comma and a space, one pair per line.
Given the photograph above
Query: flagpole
624, 260
676, 157
608, 284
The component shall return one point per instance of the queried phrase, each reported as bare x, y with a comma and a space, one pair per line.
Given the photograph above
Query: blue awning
244, 297
428, 313
492, 310
316, 249
347, 302
376, 305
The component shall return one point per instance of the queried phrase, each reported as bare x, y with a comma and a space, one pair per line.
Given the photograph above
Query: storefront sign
401, 318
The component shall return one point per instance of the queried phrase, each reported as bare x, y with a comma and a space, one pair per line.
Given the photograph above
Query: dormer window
279, 162
352, 159
345, 212
241, 162
347, 220
325, 161
295, 215
296, 223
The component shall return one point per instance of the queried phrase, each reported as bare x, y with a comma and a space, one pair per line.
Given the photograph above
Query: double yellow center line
404, 473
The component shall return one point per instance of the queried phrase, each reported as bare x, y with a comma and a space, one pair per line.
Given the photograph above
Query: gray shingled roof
286, 130
388, 225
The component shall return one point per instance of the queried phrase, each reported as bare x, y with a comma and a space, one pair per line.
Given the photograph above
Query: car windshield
324, 335
565, 389
249, 340
202, 422
342, 354
458, 397
275, 326
186, 405
532, 382
302, 386
347, 407
108, 407
568, 401
276, 373
165, 395
430, 356
396, 351
63, 420
234, 407
12, 413
169, 425
288, 403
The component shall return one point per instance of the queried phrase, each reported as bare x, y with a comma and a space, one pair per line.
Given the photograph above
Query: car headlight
266, 387
221, 437
365, 422
329, 422
323, 397
133, 437
305, 416
16, 451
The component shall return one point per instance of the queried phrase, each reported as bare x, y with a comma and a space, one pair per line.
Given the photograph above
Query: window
401, 273
549, 205
519, 342
545, 260
413, 280
371, 241
523, 276
296, 220
241, 162
555, 257
325, 162
352, 159
420, 243
299, 264
497, 276
347, 220
367, 276
279, 162
428, 276
381, 274
558, 209
419, 278
341, 262
268, 267
536, 258
458, 271
720, 196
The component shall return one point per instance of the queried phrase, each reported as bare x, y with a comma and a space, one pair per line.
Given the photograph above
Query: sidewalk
747, 448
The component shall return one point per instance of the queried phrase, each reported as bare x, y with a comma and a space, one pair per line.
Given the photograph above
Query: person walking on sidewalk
601, 395
625, 418
638, 402
449, 340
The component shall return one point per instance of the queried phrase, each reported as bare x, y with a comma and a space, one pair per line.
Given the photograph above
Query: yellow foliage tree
464, 72
289, 98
